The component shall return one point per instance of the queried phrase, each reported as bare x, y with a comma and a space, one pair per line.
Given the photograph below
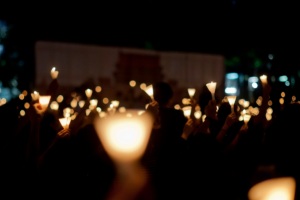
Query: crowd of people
220, 157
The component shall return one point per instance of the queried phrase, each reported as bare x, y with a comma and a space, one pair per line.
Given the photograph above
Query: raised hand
63, 134
153, 108
211, 109
187, 129
230, 120
36, 112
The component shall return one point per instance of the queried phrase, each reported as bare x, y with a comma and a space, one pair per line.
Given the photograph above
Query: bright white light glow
230, 90
187, 111
253, 79
232, 76
283, 78
254, 85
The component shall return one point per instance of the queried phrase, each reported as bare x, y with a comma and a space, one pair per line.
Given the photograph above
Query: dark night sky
218, 26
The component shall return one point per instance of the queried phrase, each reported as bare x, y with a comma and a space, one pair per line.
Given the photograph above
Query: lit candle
65, 122
54, 105
212, 88
44, 101
187, 111
115, 103
35, 96
54, 73
263, 79
273, 189
149, 91
81, 103
197, 114
93, 103
191, 92
87, 112
231, 100
246, 104
124, 138
88, 93
247, 118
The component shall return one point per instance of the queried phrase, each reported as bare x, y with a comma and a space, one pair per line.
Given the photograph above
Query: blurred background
186, 44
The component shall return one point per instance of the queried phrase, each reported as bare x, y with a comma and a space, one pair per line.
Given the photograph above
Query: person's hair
162, 93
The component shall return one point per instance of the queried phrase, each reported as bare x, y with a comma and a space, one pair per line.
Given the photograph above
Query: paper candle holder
124, 138
212, 88
93, 103
44, 101
247, 117
88, 93
54, 73
115, 103
35, 96
149, 91
187, 111
263, 79
65, 122
191, 92
276, 188
231, 100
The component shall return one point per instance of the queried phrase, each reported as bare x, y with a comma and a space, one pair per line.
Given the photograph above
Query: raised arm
264, 106
230, 120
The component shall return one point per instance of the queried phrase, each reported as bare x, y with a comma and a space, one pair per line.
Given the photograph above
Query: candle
247, 118
149, 91
191, 92
93, 103
54, 73
44, 101
115, 103
35, 96
187, 111
124, 138
54, 105
88, 93
212, 88
263, 79
231, 100
87, 112
65, 122
273, 189
197, 114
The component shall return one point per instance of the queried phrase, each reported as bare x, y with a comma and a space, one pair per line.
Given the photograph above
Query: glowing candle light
81, 103
187, 111
102, 114
191, 92
241, 102
274, 189
247, 118
60, 98
246, 104
132, 83
54, 105
231, 100
124, 138
54, 73
122, 109
65, 122
87, 112
203, 118
149, 91
212, 88
115, 103
88, 93
263, 79
197, 114
177, 106
35, 96
73, 103
44, 101
93, 103
98, 109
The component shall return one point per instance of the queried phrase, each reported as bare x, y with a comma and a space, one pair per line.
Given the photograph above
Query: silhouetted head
224, 111
162, 93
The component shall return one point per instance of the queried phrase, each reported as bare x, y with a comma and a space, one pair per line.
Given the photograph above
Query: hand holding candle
54, 73
247, 118
212, 88
65, 122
